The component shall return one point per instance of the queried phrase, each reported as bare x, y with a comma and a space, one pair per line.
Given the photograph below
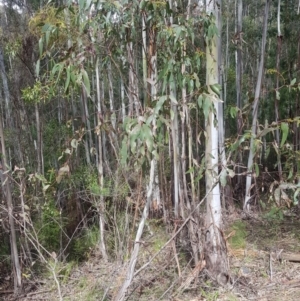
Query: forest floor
258, 249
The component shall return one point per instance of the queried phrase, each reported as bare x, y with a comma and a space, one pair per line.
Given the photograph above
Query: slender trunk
238, 40
111, 99
13, 236
215, 246
101, 208
122, 88
134, 104
133, 259
221, 104
255, 109
86, 122
156, 202
87, 119
9, 120
279, 41
144, 53
40, 167
175, 136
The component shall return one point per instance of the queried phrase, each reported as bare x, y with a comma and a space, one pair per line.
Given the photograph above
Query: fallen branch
294, 257
6, 292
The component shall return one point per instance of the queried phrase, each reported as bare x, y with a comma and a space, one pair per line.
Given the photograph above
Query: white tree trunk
215, 247
101, 207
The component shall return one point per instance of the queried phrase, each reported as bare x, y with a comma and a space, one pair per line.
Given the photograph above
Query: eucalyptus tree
279, 42
17, 271
94, 54
255, 111
215, 247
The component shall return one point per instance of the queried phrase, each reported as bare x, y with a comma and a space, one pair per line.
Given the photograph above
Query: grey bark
255, 109
13, 237
101, 207
279, 42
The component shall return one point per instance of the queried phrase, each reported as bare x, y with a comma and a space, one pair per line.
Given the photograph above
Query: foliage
237, 239
82, 246
102, 167
50, 227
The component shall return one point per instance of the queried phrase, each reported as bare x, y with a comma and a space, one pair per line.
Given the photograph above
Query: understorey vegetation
143, 143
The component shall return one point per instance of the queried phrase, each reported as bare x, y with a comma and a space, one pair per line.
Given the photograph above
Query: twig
34, 293
105, 293
175, 254
271, 268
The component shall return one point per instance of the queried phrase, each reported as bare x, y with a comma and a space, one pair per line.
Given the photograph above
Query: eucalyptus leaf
223, 177
86, 82
285, 130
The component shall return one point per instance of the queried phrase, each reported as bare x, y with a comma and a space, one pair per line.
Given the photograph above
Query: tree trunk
238, 40
10, 209
39, 146
134, 255
9, 120
175, 136
101, 207
279, 42
215, 246
255, 110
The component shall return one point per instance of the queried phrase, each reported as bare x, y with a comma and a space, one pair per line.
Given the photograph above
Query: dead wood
294, 257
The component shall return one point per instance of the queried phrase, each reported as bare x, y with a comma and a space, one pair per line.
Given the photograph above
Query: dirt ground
260, 253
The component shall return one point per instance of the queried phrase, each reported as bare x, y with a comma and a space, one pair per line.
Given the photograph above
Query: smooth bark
215, 246
101, 206
13, 236
279, 42
255, 109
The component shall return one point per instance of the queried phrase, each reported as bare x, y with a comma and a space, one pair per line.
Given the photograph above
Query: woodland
150, 150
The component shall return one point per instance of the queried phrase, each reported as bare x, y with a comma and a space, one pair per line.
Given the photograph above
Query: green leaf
173, 99
81, 4
142, 4
124, 153
265, 132
160, 103
46, 28
172, 114
223, 177
233, 111
277, 95
296, 196
206, 107
73, 77
147, 135
41, 46
191, 86
47, 36
88, 4
37, 68
68, 79
57, 67
216, 88
293, 82
197, 80
86, 82
200, 101
134, 134
285, 130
